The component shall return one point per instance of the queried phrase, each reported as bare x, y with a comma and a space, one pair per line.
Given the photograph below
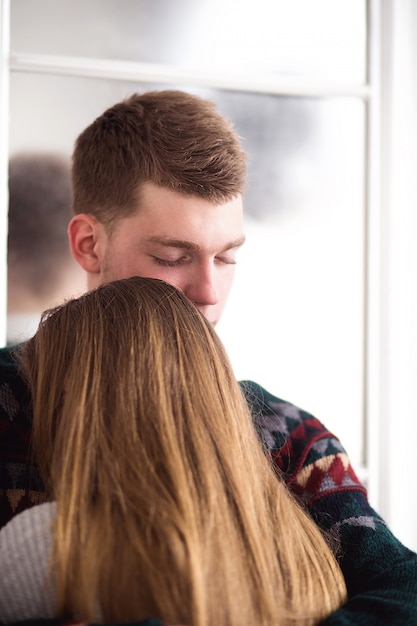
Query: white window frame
392, 288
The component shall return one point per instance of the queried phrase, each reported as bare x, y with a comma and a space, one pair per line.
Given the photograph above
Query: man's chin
211, 320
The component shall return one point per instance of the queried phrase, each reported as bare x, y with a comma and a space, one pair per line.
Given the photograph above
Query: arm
20, 484
380, 573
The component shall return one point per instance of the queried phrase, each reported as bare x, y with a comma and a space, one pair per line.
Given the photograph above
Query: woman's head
166, 504
124, 351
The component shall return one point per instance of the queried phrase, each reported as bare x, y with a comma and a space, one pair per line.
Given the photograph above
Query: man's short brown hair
170, 138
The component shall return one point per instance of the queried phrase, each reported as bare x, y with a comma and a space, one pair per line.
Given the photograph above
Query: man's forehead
167, 218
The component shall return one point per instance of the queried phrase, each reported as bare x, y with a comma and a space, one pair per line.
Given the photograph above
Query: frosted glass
295, 318
325, 39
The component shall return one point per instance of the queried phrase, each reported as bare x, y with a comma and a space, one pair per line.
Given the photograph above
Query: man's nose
200, 287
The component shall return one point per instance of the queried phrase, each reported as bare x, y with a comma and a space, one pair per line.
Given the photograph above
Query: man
158, 182
183, 166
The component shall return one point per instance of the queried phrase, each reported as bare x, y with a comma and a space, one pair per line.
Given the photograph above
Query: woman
165, 503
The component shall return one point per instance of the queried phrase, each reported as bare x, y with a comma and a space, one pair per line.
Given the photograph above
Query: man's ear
84, 233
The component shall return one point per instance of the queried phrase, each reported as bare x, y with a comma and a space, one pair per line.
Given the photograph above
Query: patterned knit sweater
380, 573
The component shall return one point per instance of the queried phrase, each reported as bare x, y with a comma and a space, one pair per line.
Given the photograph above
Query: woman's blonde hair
167, 505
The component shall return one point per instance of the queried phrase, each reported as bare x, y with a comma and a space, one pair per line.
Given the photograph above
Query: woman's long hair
167, 505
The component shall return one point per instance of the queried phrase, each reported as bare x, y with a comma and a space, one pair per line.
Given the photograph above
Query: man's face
181, 239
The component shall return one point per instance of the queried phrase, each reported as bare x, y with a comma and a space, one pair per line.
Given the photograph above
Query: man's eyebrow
189, 245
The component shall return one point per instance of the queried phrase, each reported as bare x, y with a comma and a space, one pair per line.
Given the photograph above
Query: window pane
295, 318
325, 39
294, 321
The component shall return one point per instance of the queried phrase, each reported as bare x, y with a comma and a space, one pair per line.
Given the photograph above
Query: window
299, 78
